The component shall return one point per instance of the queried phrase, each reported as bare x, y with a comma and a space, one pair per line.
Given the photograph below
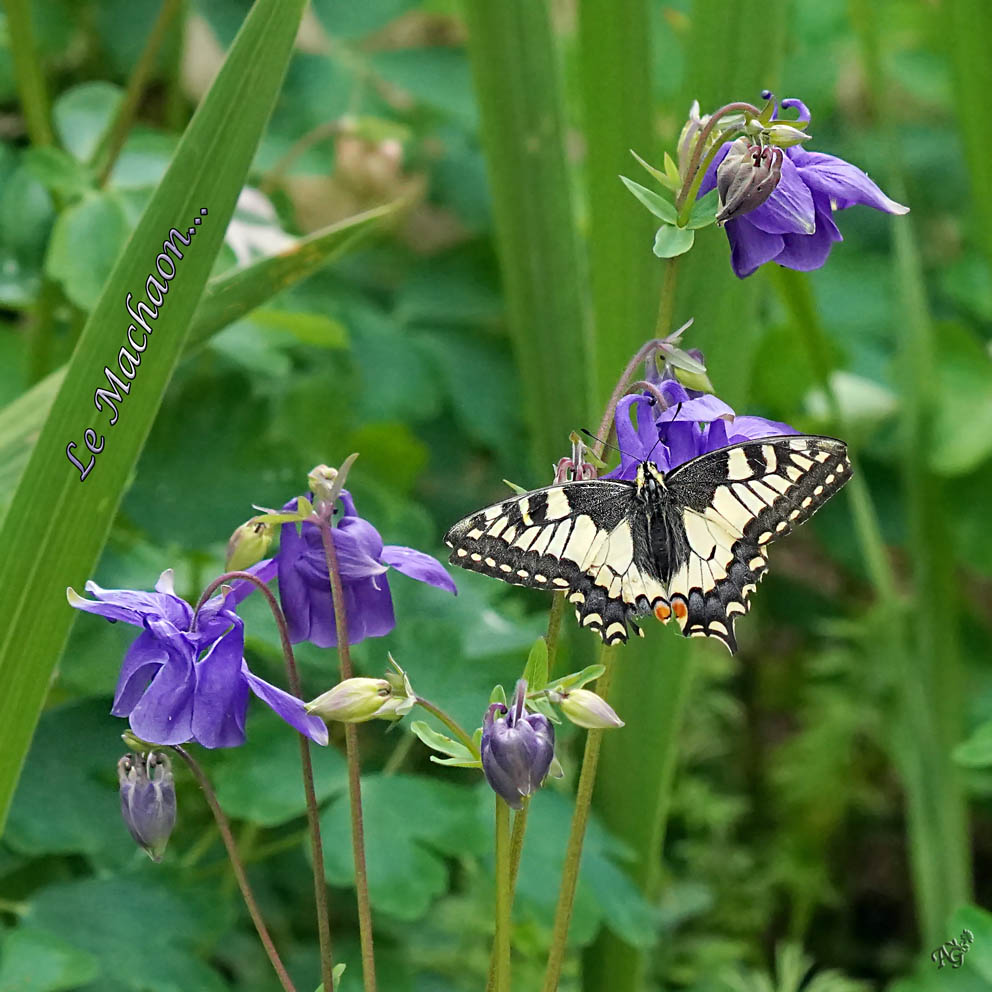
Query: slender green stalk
554, 629
354, 761
306, 764
239, 869
28, 72
573, 852
504, 897
110, 146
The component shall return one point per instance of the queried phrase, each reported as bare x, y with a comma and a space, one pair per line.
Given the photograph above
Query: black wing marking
580, 536
735, 502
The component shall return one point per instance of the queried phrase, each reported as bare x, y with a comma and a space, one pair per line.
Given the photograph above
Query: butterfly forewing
581, 536
735, 502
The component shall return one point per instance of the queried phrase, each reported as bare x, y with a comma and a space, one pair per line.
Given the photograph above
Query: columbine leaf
439, 742
411, 822
578, 679
536, 670
704, 211
672, 172
658, 205
671, 241
660, 176
519, 490
976, 751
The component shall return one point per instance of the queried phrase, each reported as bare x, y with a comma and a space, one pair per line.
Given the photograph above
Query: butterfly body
689, 543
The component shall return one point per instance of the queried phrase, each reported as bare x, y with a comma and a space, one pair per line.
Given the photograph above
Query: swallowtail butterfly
690, 543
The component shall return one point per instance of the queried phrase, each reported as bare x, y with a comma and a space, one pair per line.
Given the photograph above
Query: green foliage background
830, 784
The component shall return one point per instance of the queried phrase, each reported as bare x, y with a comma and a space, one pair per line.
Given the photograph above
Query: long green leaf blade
56, 525
227, 298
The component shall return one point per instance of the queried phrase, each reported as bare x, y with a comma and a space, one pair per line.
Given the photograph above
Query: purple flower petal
804, 114
804, 253
369, 605
164, 714
754, 428
358, 547
684, 443
132, 607
419, 566
789, 209
716, 435
286, 706
699, 410
708, 183
143, 659
750, 247
845, 184
634, 443
221, 696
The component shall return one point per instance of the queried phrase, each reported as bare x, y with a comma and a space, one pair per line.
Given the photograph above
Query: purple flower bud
746, 177
148, 800
517, 749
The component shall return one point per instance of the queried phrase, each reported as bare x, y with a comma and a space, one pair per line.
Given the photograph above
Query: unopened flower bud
783, 135
321, 481
585, 709
248, 545
148, 800
517, 748
747, 176
352, 701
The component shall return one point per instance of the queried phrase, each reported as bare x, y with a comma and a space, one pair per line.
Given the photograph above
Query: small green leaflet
657, 204
671, 241
459, 756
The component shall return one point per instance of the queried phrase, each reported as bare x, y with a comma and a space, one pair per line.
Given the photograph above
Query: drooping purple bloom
168, 692
517, 748
148, 800
691, 424
304, 584
794, 226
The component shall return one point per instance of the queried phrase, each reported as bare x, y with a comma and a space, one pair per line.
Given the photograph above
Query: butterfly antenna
601, 441
674, 416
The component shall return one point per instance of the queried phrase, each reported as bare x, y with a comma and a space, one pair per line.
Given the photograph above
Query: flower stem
553, 635
354, 767
110, 146
306, 764
29, 74
239, 870
573, 853
504, 896
452, 725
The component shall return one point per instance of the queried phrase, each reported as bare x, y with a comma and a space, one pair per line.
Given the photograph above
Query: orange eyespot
680, 609
662, 611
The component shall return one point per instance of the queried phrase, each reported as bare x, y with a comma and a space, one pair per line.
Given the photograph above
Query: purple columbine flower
517, 748
168, 692
691, 424
794, 226
304, 584
148, 800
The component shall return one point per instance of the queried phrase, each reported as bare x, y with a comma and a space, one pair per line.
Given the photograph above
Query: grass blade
518, 89
56, 526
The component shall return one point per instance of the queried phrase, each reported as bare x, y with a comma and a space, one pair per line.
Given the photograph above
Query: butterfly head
650, 481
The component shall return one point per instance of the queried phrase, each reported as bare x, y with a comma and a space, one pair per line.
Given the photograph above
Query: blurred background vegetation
826, 792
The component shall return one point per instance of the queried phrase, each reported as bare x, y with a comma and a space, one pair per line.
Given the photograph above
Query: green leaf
98, 916
410, 822
976, 751
262, 782
82, 114
704, 211
536, 669
86, 241
979, 922
665, 178
658, 205
671, 241
37, 961
578, 679
57, 171
439, 742
54, 542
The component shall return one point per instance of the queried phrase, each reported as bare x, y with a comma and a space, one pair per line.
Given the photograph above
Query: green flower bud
353, 701
586, 709
249, 544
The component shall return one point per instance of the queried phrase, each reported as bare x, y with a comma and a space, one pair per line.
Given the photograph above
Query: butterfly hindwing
734, 503
580, 536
